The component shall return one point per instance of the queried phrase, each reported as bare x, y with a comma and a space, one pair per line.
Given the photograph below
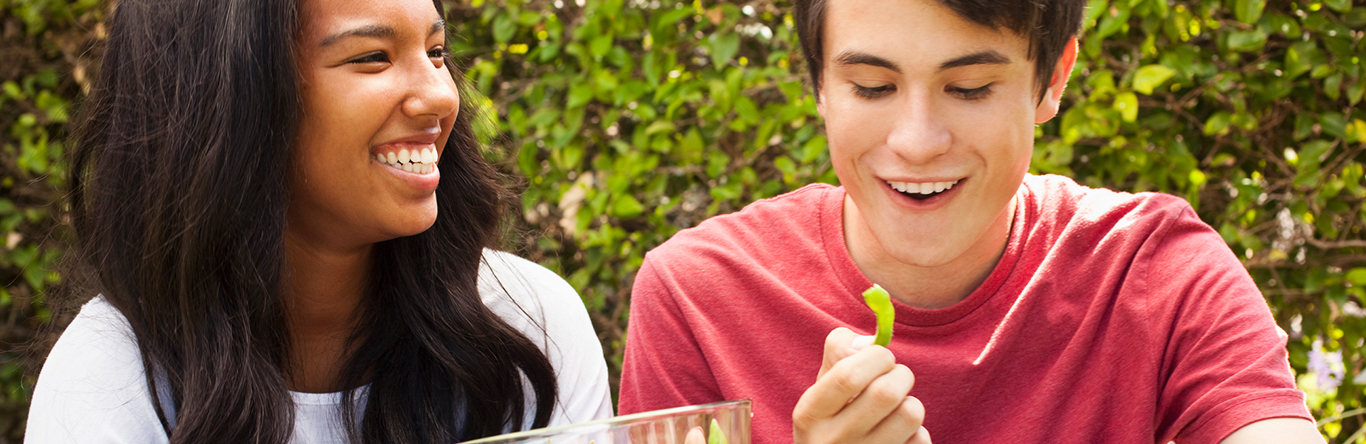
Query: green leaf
659, 126
600, 45
1218, 123
1197, 178
1332, 86
1127, 105
1356, 131
1314, 152
12, 90
723, 48
1334, 123
1357, 276
669, 18
626, 206
1308, 173
528, 18
1151, 76
579, 94
1356, 90
1339, 5
1114, 20
745, 108
1248, 11
504, 26
1247, 41
1301, 57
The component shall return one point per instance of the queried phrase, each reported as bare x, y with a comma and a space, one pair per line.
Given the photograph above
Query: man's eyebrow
862, 58
377, 31
988, 57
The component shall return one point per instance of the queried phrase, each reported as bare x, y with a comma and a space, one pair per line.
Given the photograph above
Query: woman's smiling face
379, 104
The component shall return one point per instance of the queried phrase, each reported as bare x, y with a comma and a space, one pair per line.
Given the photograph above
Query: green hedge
632, 120
44, 65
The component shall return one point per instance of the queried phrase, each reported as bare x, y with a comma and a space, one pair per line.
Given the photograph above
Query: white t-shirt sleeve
544, 299
92, 388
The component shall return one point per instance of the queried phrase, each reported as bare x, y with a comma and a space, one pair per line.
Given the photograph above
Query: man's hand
861, 395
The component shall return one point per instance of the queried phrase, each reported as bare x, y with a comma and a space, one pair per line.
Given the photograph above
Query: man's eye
873, 92
374, 57
971, 93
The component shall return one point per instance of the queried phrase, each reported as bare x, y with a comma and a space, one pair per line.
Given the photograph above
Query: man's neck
926, 286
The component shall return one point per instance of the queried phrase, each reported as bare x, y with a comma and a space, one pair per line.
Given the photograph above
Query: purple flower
1327, 366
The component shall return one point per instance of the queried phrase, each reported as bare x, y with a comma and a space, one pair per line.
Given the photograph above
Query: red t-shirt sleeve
664, 367
1226, 363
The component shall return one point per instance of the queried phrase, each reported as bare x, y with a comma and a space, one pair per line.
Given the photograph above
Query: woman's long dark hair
178, 199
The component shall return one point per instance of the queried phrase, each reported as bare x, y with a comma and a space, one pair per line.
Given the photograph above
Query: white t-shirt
93, 387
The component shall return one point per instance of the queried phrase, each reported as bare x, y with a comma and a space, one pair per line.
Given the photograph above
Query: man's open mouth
922, 190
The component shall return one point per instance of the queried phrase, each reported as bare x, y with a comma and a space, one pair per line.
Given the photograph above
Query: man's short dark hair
1046, 24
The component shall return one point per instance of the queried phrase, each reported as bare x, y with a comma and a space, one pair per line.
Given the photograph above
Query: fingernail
861, 342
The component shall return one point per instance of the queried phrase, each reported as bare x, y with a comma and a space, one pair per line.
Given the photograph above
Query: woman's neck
323, 294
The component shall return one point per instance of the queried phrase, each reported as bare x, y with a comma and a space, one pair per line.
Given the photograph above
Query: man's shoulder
1061, 200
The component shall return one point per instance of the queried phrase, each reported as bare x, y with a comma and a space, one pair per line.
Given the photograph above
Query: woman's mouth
413, 161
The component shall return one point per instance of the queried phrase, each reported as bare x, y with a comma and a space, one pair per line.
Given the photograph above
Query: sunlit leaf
1151, 76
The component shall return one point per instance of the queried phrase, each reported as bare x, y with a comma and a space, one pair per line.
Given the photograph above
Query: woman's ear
1052, 98
820, 101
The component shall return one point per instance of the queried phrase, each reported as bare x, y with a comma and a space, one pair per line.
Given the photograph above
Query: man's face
931, 125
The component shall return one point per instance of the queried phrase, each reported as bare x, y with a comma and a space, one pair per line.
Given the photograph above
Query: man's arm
1276, 430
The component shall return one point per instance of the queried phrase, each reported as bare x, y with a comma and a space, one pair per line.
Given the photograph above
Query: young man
1028, 309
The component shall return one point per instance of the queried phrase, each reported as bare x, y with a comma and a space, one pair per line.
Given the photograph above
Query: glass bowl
668, 426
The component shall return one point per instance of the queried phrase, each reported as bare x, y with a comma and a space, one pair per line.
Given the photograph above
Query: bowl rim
533, 433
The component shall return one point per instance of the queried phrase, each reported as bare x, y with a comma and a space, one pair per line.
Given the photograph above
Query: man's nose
919, 132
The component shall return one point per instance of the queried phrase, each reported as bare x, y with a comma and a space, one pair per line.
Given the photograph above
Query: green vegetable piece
881, 303
715, 436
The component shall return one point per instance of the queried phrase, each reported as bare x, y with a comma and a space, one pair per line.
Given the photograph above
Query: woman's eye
971, 93
873, 92
438, 54
374, 57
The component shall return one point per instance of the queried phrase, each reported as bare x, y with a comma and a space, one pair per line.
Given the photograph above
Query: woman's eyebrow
372, 31
377, 31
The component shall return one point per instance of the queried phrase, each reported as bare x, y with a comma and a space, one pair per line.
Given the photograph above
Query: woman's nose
433, 92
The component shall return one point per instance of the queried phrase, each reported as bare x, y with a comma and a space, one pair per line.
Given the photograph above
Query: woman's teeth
921, 187
419, 162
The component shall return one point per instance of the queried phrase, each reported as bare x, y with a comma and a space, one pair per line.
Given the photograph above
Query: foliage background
631, 120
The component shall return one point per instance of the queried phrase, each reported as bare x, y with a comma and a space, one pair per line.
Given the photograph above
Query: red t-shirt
1111, 317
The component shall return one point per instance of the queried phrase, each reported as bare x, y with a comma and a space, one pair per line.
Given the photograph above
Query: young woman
285, 214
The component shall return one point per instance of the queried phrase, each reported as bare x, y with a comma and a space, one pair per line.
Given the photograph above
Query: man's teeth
420, 162
921, 187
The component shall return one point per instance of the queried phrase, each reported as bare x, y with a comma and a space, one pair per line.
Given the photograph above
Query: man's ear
1052, 98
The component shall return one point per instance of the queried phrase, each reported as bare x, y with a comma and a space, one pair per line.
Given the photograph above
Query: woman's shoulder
508, 282
93, 387
546, 309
